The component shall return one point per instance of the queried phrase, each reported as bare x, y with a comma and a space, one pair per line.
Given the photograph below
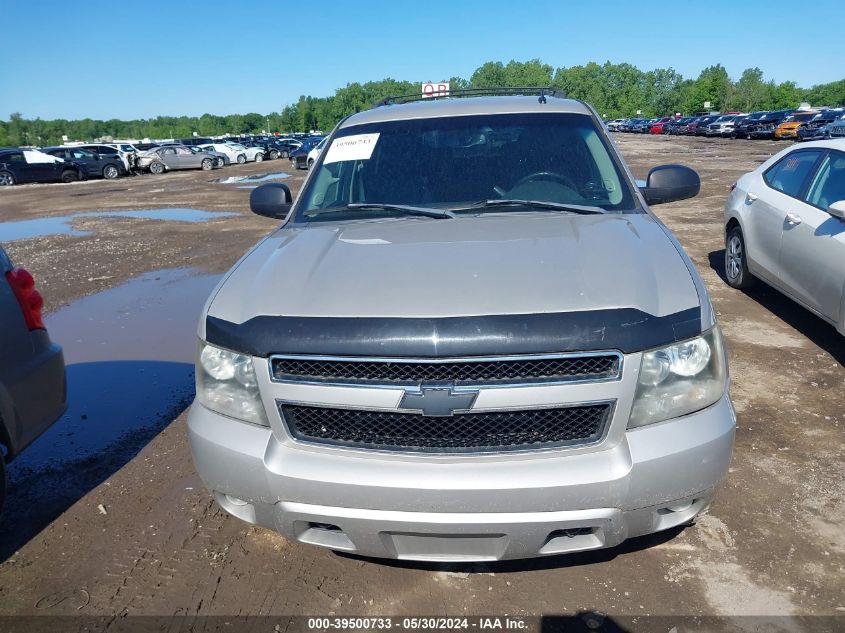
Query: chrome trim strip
608, 422
455, 387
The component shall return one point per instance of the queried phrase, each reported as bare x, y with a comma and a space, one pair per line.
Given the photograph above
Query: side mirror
837, 209
668, 183
273, 200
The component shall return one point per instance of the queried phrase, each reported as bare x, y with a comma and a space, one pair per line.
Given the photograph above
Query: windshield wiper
401, 208
534, 204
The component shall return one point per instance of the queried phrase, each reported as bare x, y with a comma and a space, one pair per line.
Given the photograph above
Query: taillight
30, 300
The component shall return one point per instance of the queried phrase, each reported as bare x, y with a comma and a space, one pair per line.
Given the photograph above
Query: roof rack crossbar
543, 92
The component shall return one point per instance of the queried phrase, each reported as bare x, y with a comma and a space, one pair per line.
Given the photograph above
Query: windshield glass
455, 162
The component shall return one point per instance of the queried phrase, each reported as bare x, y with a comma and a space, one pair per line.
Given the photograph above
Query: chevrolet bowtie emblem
438, 401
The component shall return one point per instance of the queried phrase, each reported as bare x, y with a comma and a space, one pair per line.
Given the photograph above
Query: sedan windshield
466, 164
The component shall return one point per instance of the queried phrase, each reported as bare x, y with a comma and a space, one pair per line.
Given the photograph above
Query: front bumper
466, 507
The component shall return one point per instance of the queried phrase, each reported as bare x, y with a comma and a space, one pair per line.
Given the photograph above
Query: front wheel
736, 260
241, 159
156, 168
274, 154
110, 172
6, 179
259, 158
69, 175
310, 163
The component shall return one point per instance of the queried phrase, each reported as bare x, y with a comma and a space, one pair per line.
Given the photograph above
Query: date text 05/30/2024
417, 623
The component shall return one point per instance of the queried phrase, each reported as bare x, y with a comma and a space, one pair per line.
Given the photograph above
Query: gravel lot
110, 523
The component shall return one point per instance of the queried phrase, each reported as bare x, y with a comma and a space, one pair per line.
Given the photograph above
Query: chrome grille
486, 371
463, 432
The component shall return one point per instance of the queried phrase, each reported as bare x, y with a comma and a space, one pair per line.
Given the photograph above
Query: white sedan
236, 153
785, 225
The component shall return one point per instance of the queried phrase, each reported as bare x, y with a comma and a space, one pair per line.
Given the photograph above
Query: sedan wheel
69, 175
259, 158
156, 168
207, 164
110, 172
736, 265
241, 159
6, 179
274, 154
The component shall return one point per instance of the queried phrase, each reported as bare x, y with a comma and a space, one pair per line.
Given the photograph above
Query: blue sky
131, 59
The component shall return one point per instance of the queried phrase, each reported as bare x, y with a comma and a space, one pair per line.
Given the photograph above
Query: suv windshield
466, 164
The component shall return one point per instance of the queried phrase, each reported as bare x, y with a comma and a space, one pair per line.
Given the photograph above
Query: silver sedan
169, 157
785, 225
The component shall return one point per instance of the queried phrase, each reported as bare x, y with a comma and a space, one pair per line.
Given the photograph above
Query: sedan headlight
226, 384
680, 379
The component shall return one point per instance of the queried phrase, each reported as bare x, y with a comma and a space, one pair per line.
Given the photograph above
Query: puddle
129, 353
63, 225
237, 180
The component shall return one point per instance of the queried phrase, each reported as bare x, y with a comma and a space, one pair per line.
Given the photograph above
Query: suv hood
495, 264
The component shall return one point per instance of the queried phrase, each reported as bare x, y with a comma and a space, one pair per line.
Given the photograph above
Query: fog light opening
678, 506
328, 527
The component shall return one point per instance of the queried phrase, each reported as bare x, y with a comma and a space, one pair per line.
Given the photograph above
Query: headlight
680, 379
226, 384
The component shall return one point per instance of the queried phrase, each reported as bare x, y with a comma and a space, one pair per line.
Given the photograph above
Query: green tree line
616, 90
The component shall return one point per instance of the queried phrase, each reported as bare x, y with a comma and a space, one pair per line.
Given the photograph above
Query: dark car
743, 124
96, 165
699, 127
631, 124
675, 126
284, 147
765, 126
816, 127
33, 392
643, 126
26, 165
299, 157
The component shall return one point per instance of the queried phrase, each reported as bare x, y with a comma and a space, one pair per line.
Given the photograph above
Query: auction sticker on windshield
354, 147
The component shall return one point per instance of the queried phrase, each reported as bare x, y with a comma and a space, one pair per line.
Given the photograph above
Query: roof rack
542, 93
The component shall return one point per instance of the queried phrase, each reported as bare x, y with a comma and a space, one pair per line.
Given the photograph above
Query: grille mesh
499, 430
461, 372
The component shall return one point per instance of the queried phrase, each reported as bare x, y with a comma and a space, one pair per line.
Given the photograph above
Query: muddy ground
107, 516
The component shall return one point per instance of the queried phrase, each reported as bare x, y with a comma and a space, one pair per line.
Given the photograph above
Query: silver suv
469, 340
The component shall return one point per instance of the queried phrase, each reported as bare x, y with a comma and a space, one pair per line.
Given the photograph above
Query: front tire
207, 164
110, 172
259, 158
156, 168
69, 175
274, 154
736, 260
241, 159
7, 179
310, 163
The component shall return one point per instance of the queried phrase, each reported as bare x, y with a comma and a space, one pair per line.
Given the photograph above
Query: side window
829, 184
168, 151
790, 172
14, 157
58, 153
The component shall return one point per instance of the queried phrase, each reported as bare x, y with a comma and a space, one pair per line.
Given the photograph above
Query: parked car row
68, 163
799, 125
